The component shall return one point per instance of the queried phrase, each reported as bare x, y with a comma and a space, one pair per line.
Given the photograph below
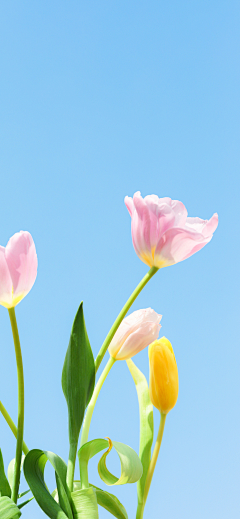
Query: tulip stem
19, 446
12, 425
71, 465
151, 468
122, 314
92, 403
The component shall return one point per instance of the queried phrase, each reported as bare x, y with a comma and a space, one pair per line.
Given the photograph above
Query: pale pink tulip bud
18, 268
135, 332
162, 233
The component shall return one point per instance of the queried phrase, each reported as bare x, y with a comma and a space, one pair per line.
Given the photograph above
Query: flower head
163, 385
18, 268
162, 233
135, 332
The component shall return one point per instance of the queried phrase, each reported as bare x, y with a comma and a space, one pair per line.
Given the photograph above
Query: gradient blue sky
99, 100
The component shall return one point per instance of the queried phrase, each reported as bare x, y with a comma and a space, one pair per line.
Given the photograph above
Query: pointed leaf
25, 502
146, 423
78, 376
8, 509
5, 489
34, 465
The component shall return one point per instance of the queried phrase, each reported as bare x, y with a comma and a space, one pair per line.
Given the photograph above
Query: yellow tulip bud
163, 384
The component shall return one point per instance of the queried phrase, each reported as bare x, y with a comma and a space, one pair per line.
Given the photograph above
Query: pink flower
18, 268
162, 233
135, 332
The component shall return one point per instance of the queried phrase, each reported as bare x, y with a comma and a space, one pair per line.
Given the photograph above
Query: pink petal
205, 227
129, 204
22, 262
178, 244
138, 340
5, 281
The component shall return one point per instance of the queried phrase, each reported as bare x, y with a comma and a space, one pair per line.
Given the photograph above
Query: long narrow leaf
146, 423
78, 376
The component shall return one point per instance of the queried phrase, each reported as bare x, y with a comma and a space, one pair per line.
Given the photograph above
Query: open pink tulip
18, 268
162, 233
135, 333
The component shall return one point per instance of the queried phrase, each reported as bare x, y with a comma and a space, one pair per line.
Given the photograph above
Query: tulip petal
129, 204
138, 340
21, 259
162, 233
135, 332
5, 281
179, 244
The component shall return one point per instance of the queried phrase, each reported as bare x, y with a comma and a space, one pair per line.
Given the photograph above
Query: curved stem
19, 446
152, 465
12, 425
92, 403
122, 314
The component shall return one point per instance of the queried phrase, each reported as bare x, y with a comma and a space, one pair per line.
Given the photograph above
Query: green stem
92, 403
122, 314
152, 465
12, 426
71, 465
19, 446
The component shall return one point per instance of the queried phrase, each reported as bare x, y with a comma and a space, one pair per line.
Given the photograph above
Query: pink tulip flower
162, 233
135, 333
18, 268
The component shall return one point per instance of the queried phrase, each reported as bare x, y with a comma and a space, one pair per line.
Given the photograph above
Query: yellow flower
163, 384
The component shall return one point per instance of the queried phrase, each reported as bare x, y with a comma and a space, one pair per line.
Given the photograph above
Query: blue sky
99, 100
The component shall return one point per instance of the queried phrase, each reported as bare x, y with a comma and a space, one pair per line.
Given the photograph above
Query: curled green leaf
131, 467
34, 466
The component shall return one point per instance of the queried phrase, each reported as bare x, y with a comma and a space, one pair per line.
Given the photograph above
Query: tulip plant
162, 235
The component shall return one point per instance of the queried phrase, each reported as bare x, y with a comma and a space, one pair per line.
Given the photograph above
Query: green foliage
5, 489
146, 423
78, 376
8, 509
34, 466
11, 470
108, 501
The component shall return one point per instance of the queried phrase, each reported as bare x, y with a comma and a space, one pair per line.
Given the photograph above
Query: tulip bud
135, 332
163, 384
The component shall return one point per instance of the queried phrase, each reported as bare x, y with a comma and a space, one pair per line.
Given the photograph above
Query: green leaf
131, 467
8, 509
78, 376
85, 503
34, 466
146, 423
5, 489
108, 501
25, 502
11, 469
